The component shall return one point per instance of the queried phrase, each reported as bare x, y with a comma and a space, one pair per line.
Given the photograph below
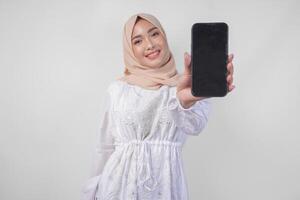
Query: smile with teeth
153, 55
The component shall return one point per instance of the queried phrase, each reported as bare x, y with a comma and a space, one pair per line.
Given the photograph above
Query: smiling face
149, 45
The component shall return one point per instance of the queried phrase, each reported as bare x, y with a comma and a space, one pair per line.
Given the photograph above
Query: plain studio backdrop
58, 57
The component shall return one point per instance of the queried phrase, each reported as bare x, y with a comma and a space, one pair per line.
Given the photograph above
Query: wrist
187, 105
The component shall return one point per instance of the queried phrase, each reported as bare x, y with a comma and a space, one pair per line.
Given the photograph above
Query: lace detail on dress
164, 117
141, 121
149, 184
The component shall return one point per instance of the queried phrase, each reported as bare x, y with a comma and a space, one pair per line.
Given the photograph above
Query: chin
154, 64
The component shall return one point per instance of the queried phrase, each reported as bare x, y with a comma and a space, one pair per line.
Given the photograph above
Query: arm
102, 151
104, 146
190, 120
190, 113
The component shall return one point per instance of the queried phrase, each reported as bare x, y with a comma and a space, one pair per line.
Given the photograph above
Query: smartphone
209, 55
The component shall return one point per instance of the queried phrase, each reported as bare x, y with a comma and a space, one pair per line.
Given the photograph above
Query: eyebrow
147, 32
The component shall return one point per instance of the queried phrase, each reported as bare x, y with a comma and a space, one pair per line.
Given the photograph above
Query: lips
153, 54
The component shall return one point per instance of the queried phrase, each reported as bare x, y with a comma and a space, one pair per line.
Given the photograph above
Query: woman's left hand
184, 93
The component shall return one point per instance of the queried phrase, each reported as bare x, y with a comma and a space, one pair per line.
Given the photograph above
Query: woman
150, 113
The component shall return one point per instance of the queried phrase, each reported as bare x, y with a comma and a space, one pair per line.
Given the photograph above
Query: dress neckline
140, 88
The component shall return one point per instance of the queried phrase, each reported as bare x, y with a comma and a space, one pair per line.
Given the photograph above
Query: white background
58, 57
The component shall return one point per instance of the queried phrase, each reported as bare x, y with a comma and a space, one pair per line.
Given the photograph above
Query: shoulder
115, 87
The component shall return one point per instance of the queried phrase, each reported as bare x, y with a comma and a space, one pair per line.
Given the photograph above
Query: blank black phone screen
209, 54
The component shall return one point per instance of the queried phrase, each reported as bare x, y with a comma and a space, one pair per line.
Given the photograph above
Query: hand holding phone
209, 54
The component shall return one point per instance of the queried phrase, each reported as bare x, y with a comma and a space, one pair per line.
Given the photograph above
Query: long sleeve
104, 145
102, 151
190, 120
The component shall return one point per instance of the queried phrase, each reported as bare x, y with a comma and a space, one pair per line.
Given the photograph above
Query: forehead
141, 27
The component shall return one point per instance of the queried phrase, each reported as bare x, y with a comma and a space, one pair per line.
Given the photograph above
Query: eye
156, 33
136, 42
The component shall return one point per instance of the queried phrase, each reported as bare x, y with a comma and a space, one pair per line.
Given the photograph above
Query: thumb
187, 64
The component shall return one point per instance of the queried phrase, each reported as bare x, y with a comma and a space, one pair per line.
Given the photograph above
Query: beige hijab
144, 76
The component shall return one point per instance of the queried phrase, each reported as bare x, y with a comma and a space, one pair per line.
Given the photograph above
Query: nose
150, 44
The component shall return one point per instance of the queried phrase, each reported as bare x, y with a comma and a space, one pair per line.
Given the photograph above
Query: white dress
138, 152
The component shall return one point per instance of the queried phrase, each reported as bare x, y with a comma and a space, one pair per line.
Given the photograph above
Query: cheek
164, 47
138, 52
162, 44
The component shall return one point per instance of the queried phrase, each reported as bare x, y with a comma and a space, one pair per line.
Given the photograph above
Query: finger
231, 87
187, 64
230, 68
187, 59
229, 79
230, 58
